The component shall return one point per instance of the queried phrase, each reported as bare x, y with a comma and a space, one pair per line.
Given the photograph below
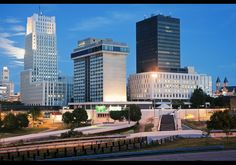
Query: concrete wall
75, 149
148, 115
197, 114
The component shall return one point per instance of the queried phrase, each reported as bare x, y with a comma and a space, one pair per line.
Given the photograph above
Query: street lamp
154, 76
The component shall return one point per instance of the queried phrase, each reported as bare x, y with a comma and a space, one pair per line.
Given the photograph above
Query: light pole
154, 76
128, 108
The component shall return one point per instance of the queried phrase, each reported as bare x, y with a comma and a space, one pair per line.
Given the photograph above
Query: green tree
210, 100
222, 101
177, 103
221, 120
116, 115
79, 115
67, 117
133, 113
10, 122
35, 113
22, 119
198, 98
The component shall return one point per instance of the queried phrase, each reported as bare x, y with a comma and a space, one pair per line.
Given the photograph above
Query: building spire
218, 80
40, 12
226, 82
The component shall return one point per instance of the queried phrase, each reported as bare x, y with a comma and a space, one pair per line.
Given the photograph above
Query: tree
210, 100
116, 115
67, 117
133, 113
221, 121
222, 101
10, 122
22, 119
177, 103
79, 115
35, 113
198, 98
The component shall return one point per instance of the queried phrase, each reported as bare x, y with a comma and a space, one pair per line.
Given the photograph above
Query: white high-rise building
6, 86
39, 80
100, 70
5, 74
40, 48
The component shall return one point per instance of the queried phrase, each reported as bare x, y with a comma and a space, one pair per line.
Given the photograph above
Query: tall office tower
39, 80
99, 70
5, 74
158, 44
40, 48
6, 86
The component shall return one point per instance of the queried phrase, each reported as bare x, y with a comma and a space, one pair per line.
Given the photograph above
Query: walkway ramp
167, 123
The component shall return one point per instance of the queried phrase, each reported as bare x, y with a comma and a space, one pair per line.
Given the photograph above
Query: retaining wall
116, 145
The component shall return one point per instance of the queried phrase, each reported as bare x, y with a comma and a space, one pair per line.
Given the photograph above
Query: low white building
167, 85
49, 93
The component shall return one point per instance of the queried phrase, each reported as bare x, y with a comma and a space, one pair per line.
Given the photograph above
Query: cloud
19, 63
8, 47
12, 20
98, 22
18, 28
19, 34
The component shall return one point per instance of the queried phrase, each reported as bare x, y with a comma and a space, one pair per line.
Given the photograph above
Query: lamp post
154, 76
129, 114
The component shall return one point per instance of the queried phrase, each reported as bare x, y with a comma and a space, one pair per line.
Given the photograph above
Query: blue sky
208, 33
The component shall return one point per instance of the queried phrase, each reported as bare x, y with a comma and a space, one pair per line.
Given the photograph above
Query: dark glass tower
158, 44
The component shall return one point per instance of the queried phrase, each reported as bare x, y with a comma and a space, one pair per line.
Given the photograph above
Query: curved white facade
166, 85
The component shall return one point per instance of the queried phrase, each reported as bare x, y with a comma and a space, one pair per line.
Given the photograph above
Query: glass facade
79, 80
100, 48
158, 44
96, 78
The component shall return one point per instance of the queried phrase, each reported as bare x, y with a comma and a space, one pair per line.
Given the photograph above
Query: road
99, 128
228, 155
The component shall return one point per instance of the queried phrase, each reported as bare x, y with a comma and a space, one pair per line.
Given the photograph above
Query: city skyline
206, 43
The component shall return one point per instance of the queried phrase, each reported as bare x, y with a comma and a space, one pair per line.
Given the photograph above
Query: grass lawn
195, 142
22, 131
201, 125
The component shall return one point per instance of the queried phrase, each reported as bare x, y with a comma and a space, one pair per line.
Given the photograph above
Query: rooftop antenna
40, 12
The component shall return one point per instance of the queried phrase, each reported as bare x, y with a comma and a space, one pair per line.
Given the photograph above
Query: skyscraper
99, 70
40, 84
5, 74
158, 44
40, 48
159, 74
6, 85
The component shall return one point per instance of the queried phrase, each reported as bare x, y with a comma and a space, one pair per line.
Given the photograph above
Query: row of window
166, 76
163, 96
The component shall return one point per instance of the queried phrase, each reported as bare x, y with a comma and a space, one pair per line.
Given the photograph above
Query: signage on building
115, 108
101, 109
